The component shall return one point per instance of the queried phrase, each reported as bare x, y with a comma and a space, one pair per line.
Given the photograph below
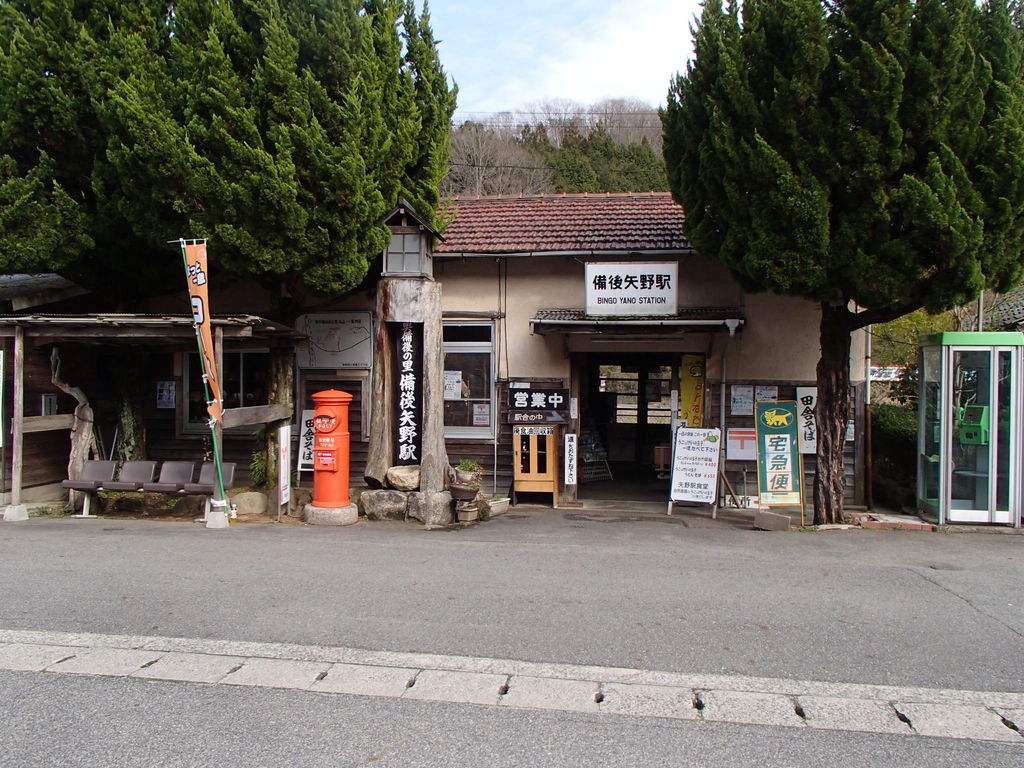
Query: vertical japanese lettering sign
779, 469
198, 291
408, 346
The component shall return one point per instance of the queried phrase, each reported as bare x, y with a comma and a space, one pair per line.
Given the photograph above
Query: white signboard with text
570, 458
807, 426
632, 288
695, 465
284, 464
335, 340
307, 435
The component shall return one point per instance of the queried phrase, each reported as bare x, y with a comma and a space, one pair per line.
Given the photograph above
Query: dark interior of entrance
626, 418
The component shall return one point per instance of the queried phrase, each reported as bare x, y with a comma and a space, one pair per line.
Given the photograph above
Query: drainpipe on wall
732, 324
869, 495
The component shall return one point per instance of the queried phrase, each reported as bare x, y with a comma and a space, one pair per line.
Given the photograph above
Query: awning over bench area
577, 321
116, 330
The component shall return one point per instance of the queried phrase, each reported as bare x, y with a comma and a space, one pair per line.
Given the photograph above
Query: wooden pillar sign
409, 396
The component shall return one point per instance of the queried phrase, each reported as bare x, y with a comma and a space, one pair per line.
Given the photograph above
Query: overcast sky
507, 54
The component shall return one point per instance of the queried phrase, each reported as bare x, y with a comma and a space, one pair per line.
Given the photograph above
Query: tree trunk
83, 435
282, 361
833, 411
130, 375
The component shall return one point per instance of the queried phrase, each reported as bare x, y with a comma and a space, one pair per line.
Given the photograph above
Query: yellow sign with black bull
779, 466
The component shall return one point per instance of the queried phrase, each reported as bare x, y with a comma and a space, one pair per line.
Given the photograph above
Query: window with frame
243, 382
469, 380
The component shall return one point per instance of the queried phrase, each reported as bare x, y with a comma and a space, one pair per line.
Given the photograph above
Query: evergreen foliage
853, 152
282, 130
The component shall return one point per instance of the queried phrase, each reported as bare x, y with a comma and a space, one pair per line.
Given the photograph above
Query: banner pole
195, 276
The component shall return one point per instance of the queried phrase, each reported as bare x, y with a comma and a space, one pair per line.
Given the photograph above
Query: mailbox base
330, 515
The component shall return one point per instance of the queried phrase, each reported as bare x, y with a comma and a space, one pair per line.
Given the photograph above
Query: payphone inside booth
970, 427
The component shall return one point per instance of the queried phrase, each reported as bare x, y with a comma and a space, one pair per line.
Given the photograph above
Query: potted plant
468, 472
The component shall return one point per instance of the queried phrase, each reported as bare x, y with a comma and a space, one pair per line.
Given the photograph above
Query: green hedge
894, 454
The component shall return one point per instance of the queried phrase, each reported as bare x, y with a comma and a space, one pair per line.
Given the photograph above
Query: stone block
250, 503
15, 513
190, 506
300, 498
383, 504
331, 515
771, 521
404, 478
432, 509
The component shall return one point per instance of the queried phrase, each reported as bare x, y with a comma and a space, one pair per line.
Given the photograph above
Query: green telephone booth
969, 427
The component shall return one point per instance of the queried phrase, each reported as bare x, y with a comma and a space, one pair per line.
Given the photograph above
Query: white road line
325, 670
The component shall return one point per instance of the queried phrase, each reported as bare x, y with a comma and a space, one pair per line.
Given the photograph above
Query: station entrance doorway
626, 415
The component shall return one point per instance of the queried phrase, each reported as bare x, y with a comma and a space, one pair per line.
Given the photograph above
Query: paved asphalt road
681, 594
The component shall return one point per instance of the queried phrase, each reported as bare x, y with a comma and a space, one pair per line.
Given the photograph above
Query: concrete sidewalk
973, 715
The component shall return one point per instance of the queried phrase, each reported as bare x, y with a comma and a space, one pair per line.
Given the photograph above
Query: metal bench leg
85, 509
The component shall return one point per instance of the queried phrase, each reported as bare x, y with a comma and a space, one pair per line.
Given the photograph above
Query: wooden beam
257, 414
18, 416
48, 423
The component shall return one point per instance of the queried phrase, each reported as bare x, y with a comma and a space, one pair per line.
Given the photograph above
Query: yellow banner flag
195, 265
691, 390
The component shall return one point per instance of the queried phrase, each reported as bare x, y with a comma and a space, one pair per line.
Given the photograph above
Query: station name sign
632, 288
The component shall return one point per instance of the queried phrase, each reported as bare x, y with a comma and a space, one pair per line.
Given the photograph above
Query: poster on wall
695, 458
691, 391
334, 340
481, 414
165, 394
766, 393
807, 400
741, 400
779, 468
453, 385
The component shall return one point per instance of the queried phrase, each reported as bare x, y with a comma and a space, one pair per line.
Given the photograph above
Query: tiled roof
1006, 311
625, 222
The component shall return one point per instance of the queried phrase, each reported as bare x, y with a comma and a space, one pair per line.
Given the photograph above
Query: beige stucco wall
778, 341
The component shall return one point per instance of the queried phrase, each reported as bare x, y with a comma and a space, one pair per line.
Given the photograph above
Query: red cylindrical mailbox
331, 449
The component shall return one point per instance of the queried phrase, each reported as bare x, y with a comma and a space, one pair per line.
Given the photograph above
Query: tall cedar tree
867, 155
282, 130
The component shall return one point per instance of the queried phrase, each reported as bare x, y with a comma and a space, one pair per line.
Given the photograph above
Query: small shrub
894, 454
